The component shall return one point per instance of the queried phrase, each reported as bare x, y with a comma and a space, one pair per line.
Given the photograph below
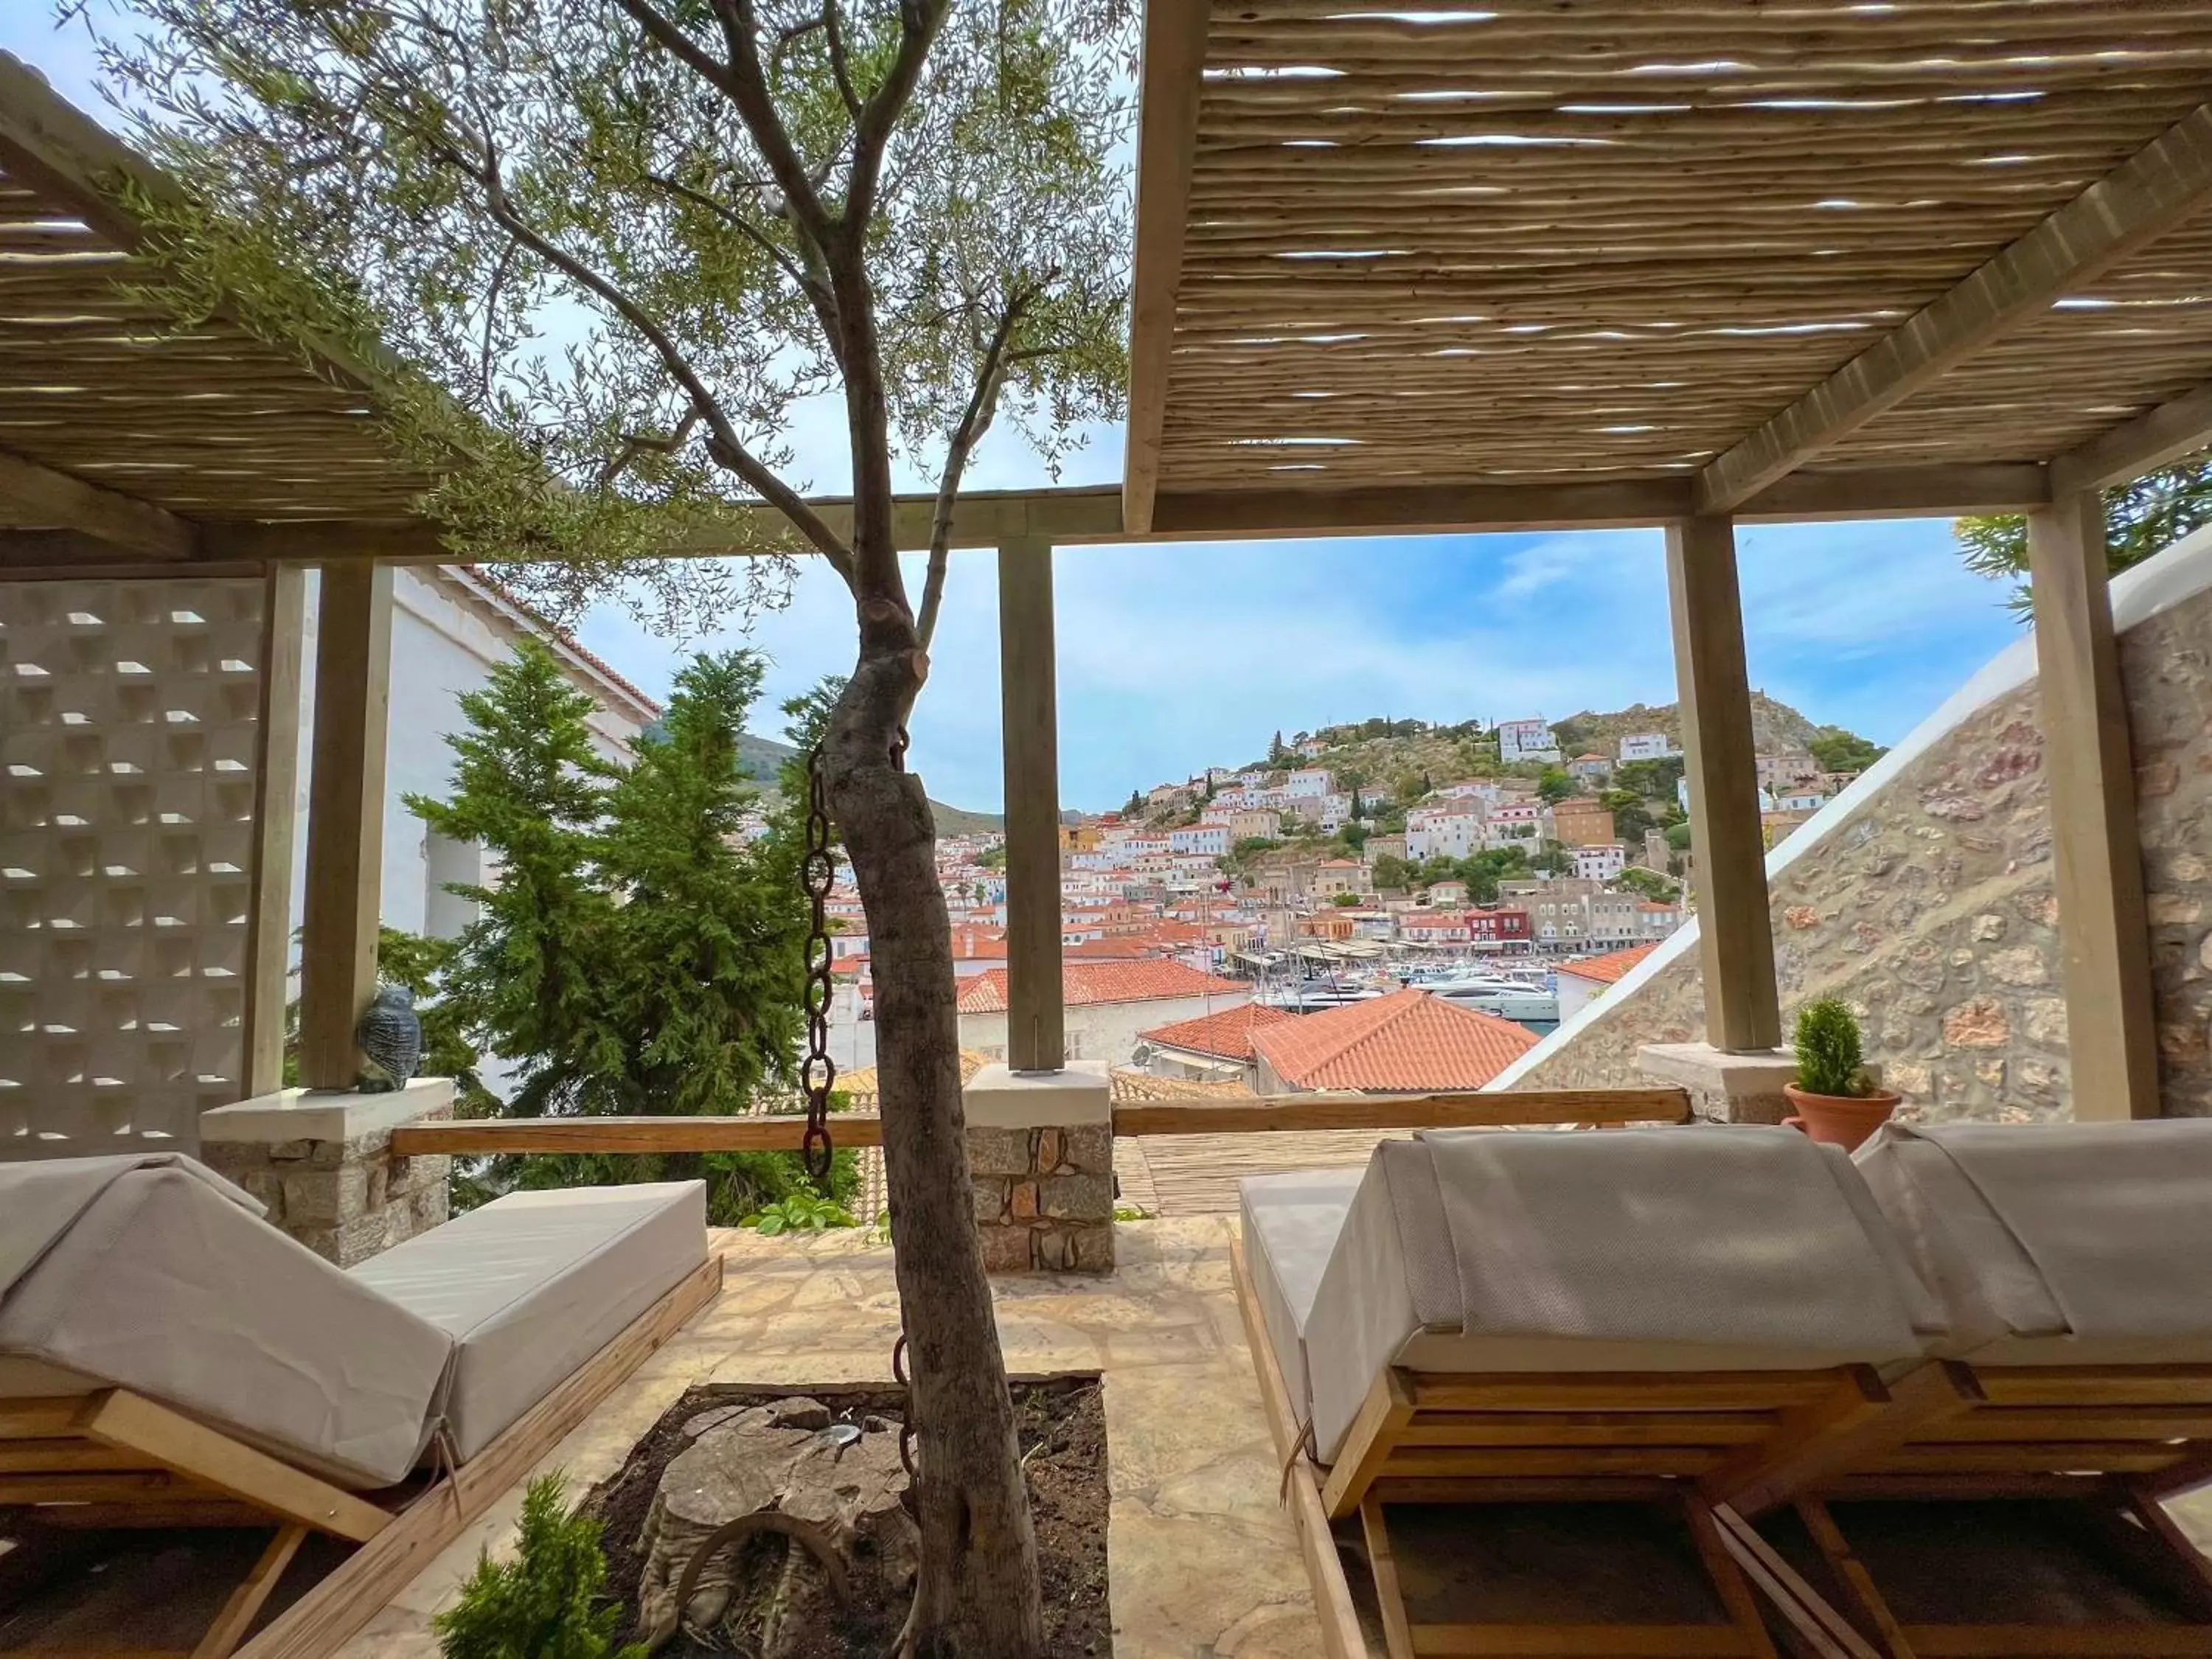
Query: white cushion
2057, 1243
532, 1285
1738, 1248
152, 1274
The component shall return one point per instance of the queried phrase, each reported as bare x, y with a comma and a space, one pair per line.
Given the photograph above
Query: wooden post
276, 805
1036, 1038
2104, 939
345, 820
1735, 939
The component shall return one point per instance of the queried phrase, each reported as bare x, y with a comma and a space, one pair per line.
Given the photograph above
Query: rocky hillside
1775, 727
1383, 752
759, 757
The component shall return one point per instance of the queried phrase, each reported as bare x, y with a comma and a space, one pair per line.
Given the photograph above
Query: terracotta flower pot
1842, 1121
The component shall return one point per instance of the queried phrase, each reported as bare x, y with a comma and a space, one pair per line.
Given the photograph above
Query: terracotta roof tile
1227, 1033
1146, 980
1607, 969
1405, 1043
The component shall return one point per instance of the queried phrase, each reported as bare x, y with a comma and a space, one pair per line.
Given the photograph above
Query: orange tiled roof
1607, 969
1149, 980
1405, 1043
1227, 1033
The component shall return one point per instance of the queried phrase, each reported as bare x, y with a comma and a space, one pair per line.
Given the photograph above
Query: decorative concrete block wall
323, 1164
128, 753
1044, 1198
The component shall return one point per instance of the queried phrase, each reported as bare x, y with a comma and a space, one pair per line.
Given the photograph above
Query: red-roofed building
1214, 1048
1408, 1042
1108, 1003
1587, 977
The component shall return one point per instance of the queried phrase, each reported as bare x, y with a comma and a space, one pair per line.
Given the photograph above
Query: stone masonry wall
1931, 909
1044, 1198
344, 1199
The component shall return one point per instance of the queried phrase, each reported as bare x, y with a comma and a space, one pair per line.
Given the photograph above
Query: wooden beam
34, 497
345, 820
1506, 1107
1465, 1108
1841, 493
627, 1134
1035, 1033
1167, 148
2136, 446
1735, 940
2103, 938
276, 810
1089, 515
2147, 195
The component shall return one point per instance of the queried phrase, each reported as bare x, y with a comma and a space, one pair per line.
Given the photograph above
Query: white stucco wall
1102, 1031
446, 639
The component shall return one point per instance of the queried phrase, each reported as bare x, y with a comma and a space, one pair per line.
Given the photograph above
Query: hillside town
1383, 905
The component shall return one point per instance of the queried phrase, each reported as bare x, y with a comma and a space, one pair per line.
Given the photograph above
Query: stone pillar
1724, 1088
321, 1160
1040, 1159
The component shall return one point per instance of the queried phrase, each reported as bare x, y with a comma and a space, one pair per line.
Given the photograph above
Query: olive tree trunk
977, 1596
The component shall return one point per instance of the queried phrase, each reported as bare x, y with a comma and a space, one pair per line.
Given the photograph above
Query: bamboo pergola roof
1525, 243
122, 431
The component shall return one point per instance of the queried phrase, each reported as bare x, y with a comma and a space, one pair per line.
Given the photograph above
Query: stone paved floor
1203, 1564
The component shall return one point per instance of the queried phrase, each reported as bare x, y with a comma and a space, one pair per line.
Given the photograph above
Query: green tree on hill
1653, 779
1554, 784
1838, 750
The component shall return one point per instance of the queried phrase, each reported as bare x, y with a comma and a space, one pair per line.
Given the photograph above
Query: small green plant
1130, 1212
1829, 1058
549, 1602
799, 1213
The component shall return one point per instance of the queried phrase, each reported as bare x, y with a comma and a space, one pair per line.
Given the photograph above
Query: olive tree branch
919, 23
747, 87
974, 422
817, 292
723, 442
840, 68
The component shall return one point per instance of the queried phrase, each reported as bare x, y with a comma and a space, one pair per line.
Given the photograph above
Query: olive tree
631, 244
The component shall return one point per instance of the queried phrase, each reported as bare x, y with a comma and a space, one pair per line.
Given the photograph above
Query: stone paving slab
1203, 1564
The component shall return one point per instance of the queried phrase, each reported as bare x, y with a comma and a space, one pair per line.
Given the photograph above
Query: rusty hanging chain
818, 873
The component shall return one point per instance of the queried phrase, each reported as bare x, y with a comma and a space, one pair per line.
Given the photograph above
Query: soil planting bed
1062, 1427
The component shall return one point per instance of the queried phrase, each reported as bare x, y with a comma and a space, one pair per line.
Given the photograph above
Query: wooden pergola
1509, 267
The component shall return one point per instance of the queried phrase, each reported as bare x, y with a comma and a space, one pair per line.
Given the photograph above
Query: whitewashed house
451, 626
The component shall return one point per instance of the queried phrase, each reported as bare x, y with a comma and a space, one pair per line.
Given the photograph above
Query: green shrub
801, 1212
549, 1602
1829, 1059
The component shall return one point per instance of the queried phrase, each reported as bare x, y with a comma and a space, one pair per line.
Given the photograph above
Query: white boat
1314, 995
1494, 994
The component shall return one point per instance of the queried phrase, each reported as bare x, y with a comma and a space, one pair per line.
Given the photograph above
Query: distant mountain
759, 757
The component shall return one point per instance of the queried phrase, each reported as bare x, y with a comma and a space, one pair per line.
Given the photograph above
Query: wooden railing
1258, 1114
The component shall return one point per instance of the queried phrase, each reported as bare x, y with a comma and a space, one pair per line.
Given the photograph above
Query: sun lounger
2075, 1379
168, 1358
1484, 1318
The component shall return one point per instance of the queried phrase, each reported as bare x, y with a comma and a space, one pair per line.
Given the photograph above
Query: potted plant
1837, 1099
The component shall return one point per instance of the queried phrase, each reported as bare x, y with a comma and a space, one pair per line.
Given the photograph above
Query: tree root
746, 1526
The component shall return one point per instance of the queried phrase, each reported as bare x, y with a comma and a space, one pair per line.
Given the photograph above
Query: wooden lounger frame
1557, 1437
116, 1459
2110, 1440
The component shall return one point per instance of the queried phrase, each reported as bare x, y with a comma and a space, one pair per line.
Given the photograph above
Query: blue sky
1172, 658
